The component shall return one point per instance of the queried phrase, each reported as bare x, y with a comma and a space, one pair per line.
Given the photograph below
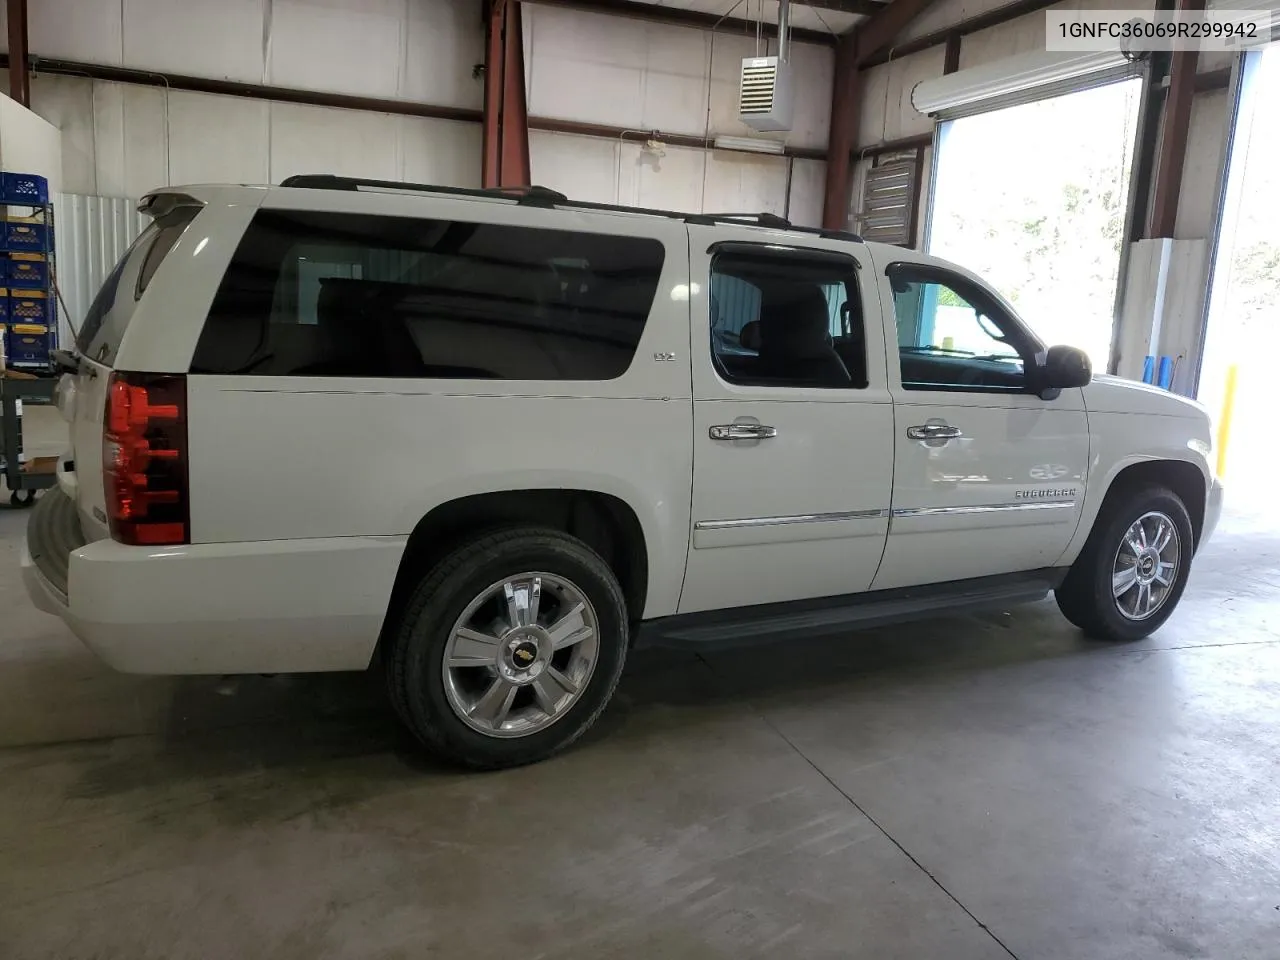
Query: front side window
953, 336
351, 295
787, 318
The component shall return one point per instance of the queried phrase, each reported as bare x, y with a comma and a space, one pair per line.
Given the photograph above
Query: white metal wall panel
88, 30
586, 168
144, 148
67, 103
414, 49
222, 39
91, 234
215, 139
355, 49
444, 42
602, 69
353, 143
440, 151
808, 189
887, 112
1206, 139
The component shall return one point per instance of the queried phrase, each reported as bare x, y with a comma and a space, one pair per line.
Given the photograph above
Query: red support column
505, 135
1173, 136
513, 168
842, 135
19, 89
492, 122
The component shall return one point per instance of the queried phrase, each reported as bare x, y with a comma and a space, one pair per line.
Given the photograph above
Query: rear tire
508, 649
1131, 573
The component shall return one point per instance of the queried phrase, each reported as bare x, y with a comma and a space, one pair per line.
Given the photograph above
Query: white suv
495, 439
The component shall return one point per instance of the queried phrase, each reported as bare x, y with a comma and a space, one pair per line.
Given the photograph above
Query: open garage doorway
1244, 299
1033, 197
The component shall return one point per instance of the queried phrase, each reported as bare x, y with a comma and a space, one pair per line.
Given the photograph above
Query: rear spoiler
161, 203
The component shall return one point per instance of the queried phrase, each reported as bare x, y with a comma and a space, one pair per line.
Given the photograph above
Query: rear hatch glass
98, 342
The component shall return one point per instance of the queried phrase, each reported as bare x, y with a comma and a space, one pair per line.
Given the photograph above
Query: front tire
1131, 573
509, 648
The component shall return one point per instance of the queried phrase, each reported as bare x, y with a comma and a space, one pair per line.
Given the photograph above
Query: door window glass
786, 318
950, 337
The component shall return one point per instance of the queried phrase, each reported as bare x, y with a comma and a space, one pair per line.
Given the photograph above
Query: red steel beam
505, 135
1175, 124
494, 60
876, 34
19, 84
841, 135
513, 169
866, 40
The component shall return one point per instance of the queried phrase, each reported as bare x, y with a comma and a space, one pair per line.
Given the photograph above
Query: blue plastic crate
24, 188
32, 307
29, 345
23, 237
28, 274
4, 305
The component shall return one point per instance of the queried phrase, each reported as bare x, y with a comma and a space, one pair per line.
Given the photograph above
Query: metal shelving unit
22, 483
28, 309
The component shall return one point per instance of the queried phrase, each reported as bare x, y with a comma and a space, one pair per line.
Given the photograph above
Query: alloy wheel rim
521, 654
1146, 566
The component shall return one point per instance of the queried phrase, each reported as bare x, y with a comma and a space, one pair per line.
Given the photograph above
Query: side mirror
1062, 367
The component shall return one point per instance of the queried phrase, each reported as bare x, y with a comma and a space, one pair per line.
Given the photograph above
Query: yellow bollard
1224, 422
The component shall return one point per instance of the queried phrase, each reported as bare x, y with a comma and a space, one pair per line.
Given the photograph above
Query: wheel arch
606, 523
1183, 477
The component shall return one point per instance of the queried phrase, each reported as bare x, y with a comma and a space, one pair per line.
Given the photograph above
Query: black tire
1085, 596
414, 654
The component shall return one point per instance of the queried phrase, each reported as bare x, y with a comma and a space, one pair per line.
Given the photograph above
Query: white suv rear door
793, 422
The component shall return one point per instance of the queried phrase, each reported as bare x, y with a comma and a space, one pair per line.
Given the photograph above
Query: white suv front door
989, 478
793, 422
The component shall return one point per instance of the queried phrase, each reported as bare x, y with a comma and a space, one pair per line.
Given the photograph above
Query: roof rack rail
545, 197
771, 220
526, 196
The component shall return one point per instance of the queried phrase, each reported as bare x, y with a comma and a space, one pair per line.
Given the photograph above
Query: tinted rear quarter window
109, 314
352, 295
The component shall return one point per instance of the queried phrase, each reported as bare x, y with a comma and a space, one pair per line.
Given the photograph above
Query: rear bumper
284, 606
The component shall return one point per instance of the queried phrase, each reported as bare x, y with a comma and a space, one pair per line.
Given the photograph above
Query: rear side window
782, 317
109, 314
351, 295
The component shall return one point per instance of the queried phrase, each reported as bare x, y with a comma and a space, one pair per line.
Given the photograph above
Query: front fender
1119, 441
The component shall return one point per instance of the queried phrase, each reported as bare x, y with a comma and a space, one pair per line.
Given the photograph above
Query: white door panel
1004, 496
801, 514
988, 477
803, 511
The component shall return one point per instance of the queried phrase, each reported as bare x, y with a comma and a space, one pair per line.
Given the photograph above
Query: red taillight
144, 458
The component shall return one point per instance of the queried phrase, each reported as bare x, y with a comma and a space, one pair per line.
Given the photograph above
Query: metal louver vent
758, 84
764, 94
888, 213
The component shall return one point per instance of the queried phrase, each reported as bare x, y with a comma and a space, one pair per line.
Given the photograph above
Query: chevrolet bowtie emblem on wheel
523, 654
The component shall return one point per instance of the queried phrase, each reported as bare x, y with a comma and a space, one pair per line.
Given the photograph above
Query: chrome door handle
741, 431
933, 431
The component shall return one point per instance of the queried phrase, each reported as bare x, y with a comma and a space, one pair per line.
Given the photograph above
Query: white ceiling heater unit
764, 95
764, 102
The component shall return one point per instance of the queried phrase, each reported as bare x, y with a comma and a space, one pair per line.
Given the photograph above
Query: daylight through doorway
1033, 198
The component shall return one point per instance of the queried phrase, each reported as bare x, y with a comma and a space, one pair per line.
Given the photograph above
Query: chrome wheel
521, 654
1146, 566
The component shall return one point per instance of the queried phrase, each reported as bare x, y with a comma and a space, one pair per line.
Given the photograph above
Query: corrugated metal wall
91, 234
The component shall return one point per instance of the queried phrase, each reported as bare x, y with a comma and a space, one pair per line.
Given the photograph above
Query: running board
832, 615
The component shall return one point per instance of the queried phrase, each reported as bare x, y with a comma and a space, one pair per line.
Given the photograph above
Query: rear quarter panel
310, 457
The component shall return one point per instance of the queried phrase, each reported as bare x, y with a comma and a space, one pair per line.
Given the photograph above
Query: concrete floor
981, 787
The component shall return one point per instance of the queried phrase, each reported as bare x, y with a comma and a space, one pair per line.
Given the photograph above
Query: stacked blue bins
28, 315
